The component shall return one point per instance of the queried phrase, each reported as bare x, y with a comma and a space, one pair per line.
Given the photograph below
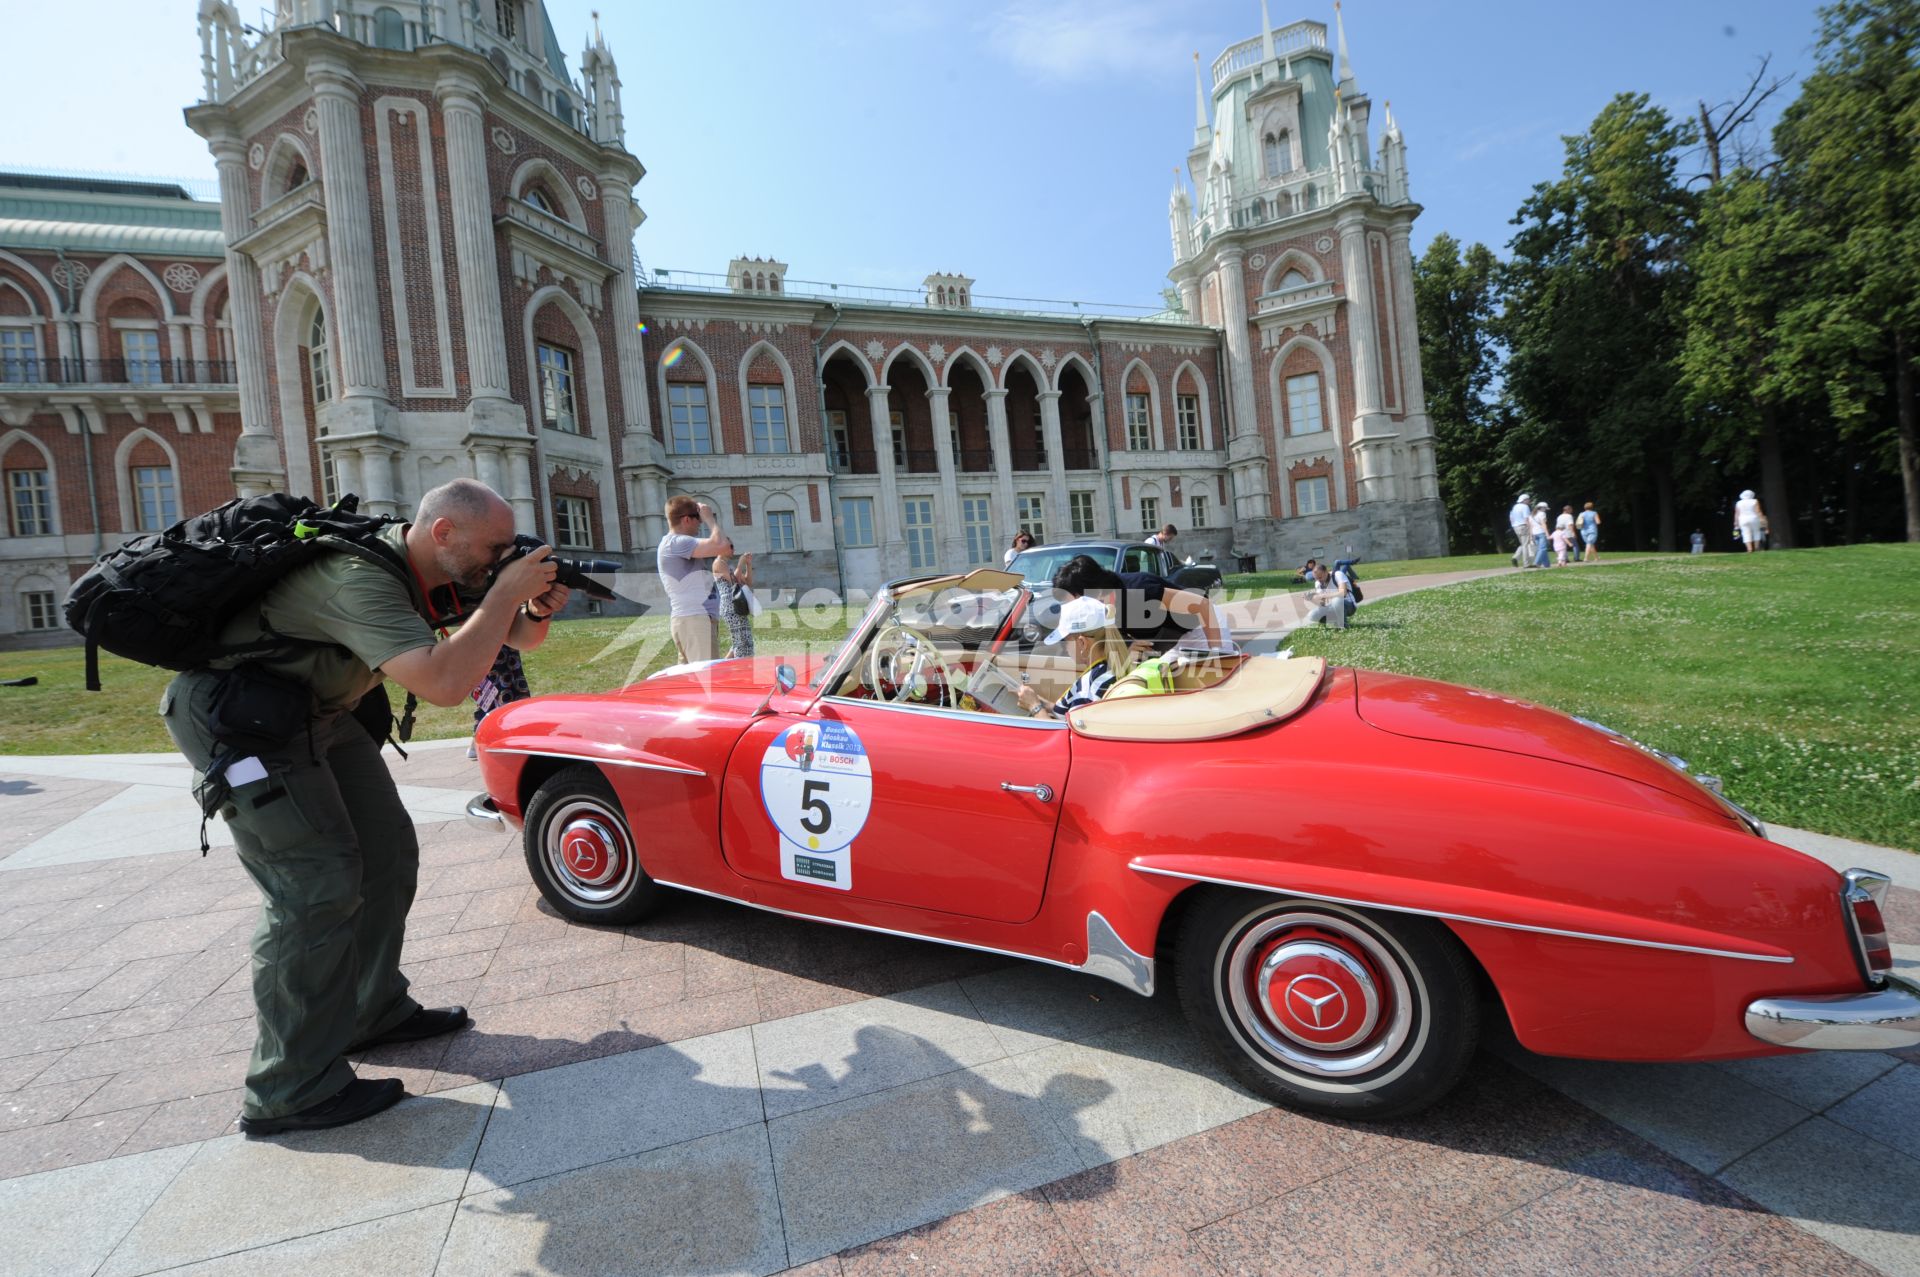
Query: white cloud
1084, 39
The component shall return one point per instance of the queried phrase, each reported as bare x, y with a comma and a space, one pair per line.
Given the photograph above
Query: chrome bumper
482, 812
1880, 1019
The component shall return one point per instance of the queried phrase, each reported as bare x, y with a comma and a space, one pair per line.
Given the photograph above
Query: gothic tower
1297, 249
428, 230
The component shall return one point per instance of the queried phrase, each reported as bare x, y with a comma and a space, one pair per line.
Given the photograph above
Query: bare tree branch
1724, 122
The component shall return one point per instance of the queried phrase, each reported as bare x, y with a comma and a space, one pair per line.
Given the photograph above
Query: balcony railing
1298, 38
116, 372
1081, 458
976, 460
1029, 459
853, 461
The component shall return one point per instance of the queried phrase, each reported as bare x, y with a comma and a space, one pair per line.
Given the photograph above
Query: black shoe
362, 1097
421, 1024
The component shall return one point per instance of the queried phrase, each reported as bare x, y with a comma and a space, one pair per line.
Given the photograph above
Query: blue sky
1028, 143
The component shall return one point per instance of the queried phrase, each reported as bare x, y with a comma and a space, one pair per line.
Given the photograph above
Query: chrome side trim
600, 758
1464, 917
1111, 958
1883, 1019
964, 715
889, 931
482, 812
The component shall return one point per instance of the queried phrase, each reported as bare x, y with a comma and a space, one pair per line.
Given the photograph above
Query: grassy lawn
1281, 581
61, 717
1790, 675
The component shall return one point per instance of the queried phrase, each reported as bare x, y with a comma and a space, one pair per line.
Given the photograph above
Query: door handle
1043, 792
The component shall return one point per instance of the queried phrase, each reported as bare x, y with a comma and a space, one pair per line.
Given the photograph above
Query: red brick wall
725, 346
292, 121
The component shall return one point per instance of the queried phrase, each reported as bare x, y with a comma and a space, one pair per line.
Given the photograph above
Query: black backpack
164, 598
1353, 580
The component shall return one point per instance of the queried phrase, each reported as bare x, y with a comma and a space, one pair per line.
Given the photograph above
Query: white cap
1747, 495
1081, 616
1521, 497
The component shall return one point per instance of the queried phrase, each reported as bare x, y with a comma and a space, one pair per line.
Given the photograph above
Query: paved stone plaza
721, 1090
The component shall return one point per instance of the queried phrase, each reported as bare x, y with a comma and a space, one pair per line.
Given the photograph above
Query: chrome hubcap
1320, 993
590, 852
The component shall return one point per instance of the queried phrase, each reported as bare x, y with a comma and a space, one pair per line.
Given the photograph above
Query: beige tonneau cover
1264, 690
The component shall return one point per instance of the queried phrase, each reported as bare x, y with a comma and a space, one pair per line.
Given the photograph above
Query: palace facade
421, 265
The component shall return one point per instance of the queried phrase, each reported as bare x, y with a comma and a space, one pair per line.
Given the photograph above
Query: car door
907, 805
1140, 558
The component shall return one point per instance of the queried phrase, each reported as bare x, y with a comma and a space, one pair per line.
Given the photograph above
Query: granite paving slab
403, 1245
563, 1118
871, 1166
1856, 1193
704, 1207
415, 1154
825, 1056
1888, 1110
68, 1221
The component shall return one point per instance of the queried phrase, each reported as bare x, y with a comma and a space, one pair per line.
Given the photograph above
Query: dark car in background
1036, 567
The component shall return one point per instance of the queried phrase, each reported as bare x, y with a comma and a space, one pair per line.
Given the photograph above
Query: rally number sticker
817, 785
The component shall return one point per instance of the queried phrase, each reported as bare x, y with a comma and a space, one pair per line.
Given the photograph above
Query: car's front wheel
1325, 1008
581, 852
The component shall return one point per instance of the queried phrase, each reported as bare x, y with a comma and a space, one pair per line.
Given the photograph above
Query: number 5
818, 809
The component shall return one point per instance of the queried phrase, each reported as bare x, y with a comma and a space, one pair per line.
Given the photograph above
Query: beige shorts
696, 638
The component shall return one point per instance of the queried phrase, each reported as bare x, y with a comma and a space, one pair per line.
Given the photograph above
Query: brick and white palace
421, 265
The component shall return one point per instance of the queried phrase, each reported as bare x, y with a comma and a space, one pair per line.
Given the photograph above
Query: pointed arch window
537, 197
319, 364
1270, 152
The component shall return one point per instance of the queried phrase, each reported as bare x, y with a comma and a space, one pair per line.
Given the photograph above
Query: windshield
1041, 563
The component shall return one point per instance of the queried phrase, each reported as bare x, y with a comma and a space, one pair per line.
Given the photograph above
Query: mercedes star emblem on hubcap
1316, 1000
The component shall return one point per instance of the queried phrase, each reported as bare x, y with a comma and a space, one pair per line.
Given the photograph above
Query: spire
1266, 35
1202, 133
1179, 197
1340, 26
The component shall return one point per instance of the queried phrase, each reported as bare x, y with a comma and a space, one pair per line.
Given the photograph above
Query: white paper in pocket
245, 771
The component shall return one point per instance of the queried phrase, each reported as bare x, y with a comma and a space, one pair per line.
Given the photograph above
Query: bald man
317, 821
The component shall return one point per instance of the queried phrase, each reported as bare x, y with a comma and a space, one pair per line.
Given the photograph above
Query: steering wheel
901, 657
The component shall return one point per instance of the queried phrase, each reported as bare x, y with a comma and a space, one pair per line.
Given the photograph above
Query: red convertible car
1341, 872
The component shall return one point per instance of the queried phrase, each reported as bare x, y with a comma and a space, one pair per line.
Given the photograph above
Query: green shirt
354, 617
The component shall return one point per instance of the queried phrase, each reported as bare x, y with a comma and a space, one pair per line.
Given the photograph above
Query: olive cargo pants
333, 851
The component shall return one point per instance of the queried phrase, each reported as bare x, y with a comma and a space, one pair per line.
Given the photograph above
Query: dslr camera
575, 574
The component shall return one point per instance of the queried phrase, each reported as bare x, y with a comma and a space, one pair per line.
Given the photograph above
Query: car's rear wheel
1325, 1008
581, 852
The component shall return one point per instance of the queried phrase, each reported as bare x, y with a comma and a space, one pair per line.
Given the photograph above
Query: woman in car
1099, 650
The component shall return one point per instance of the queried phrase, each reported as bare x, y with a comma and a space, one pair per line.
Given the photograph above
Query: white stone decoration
1257, 260
588, 190
256, 156
937, 353
74, 273
875, 350
503, 140
1048, 359
1324, 243
310, 122
181, 277
994, 356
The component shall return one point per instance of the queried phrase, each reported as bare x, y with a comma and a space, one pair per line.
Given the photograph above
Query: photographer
316, 819
687, 584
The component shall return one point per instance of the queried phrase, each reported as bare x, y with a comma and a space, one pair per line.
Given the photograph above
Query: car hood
1427, 710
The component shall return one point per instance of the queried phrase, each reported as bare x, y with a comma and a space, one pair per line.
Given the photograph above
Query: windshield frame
1106, 555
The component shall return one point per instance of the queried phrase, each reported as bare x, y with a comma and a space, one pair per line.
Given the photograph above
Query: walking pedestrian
1748, 520
1519, 518
1590, 534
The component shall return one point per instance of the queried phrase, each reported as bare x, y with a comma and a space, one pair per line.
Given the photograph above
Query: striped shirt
1092, 684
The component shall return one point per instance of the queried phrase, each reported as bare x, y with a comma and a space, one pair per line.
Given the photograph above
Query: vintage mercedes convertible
1342, 873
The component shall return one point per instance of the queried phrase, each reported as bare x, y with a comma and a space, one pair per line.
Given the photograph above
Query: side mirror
784, 676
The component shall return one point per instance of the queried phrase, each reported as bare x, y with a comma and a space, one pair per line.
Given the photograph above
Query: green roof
106, 216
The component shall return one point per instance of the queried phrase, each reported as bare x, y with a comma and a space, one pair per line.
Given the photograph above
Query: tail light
1864, 891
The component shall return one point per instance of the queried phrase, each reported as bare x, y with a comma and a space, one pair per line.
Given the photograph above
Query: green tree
1848, 151
1454, 295
1591, 319
1744, 365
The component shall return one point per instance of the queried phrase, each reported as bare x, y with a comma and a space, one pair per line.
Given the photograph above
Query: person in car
1154, 613
1099, 651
